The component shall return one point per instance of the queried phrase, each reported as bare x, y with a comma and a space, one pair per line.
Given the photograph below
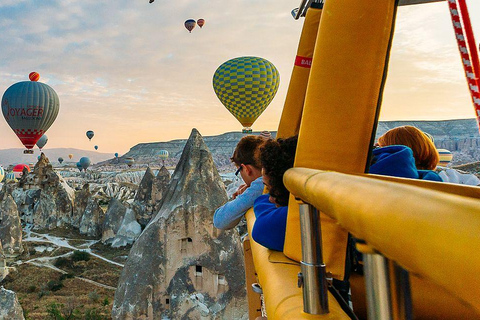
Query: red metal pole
472, 47
466, 61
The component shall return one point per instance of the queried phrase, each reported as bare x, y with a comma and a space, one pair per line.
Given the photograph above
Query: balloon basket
247, 130
28, 151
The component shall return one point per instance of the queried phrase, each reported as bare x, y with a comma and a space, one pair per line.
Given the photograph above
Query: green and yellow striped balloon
246, 86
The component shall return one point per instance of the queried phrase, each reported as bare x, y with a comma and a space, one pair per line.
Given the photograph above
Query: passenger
276, 156
406, 152
248, 166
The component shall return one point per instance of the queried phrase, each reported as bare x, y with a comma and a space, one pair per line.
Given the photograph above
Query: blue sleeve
270, 225
230, 214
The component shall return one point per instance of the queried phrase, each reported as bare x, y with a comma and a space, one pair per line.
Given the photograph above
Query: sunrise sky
132, 73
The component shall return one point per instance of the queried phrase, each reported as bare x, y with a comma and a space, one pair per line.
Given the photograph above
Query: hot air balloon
2, 173
96, 147
294, 12
85, 162
190, 24
70, 156
10, 177
445, 157
201, 22
79, 166
163, 155
246, 86
42, 142
90, 134
18, 170
38, 158
116, 154
129, 161
60, 160
30, 108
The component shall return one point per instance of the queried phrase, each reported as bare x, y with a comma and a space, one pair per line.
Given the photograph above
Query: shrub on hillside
63, 262
54, 285
80, 255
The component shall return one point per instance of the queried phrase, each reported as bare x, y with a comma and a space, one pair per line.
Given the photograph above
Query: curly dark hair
277, 156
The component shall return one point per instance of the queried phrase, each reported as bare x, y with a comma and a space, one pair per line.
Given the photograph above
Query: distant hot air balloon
90, 134
190, 24
445, 157
201, 22
116, 154
60, 160
42, 142
163, 155
96, 147
246, 86
2, 173
294, 12
129, 161
70, 156
79, 166
18, 170
10, 177
30, 108
85, 162
38, 158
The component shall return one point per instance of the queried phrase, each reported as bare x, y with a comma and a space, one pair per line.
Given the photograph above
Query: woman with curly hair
276, 157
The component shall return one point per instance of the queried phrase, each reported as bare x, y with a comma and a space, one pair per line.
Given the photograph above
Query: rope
465, 55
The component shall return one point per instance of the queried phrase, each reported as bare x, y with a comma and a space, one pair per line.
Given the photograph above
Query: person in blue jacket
398, 161
276, 157
249, 167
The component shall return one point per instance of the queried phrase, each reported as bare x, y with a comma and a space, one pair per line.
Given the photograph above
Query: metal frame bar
313, 277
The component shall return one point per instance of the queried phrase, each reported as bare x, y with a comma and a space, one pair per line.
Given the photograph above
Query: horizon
131, 72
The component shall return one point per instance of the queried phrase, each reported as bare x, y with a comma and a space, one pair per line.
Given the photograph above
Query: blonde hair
424, 151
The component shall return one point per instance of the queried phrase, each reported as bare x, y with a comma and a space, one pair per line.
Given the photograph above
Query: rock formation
150, 193
43, 197
92, 219
81, 200
181, 267
3, 264
10, 227
10, 308
120, 227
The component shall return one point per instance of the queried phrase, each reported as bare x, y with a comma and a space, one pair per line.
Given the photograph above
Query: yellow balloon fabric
246, 86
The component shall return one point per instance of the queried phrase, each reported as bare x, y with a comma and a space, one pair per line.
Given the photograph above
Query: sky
131, 72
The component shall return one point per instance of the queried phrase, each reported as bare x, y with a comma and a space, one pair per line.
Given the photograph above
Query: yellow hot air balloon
246, 86
445, 157
70, 156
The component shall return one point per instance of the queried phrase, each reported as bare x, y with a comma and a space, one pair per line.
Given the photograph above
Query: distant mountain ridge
16, 155
459, 136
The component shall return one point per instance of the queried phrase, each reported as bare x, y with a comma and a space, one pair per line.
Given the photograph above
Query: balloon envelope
246, 86
163, 154
18, 170
79, 166
42, 141
70, 156
60, 160
96, 147
190, 24
129, 161
445, 157
2, 173
85, 162
90, 134
10, 177
30, 108
201, 22
116, 154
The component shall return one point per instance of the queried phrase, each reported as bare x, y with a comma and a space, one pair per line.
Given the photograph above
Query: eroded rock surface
10, 227
10, 308
181, 267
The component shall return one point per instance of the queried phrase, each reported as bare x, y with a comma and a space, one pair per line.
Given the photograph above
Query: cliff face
458, 136
181, 266
10, 227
